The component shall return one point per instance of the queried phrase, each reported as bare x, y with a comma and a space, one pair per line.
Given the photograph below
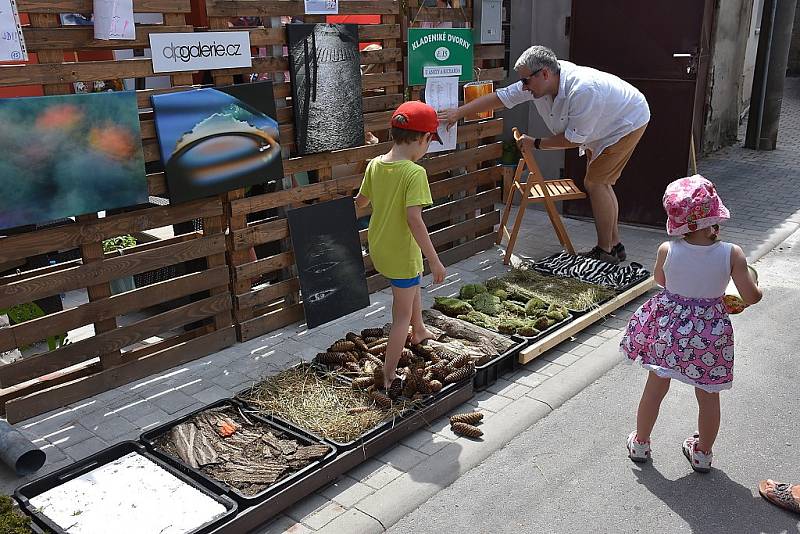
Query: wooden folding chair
536, 189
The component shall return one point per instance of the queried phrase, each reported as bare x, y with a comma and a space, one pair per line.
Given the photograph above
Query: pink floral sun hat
692, 204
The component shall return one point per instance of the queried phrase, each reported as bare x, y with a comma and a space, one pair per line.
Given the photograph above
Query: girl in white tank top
684, 332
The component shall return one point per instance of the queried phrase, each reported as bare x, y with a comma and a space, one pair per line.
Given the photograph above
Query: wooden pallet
543, 345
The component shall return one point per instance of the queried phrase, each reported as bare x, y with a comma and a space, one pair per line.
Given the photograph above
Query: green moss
541, 323
534, 305
451, 306
514, 308
495, 283
480, 319
469, 291
486, 303
502, 294
527, 331
11, 521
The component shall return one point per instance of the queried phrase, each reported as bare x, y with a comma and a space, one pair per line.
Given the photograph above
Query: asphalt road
570, 473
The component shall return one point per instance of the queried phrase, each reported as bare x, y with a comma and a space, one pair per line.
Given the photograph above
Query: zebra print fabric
593, 271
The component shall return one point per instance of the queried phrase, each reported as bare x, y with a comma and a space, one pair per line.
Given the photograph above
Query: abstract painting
69, 155
324, 64
216, 140
330, 264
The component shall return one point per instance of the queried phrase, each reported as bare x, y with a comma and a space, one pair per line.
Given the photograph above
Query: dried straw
568, 292
318, 403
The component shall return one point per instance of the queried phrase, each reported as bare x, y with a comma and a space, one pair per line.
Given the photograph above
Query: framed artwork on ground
69, 155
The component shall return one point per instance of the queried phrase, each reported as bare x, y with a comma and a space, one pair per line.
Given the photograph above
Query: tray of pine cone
425, 372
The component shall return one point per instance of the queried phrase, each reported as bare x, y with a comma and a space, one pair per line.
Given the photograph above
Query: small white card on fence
179, 52
12, 43
442, 93
322, 7
113, 19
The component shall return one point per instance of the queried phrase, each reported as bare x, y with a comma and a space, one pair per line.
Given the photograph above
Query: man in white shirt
592, 110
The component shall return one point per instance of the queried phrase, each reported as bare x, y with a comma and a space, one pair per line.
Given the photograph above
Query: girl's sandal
779, 494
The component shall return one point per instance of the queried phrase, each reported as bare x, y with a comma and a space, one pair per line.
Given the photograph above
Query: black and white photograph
329, 261
326, 86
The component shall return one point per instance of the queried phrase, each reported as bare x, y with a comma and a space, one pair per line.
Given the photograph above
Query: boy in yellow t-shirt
398, 189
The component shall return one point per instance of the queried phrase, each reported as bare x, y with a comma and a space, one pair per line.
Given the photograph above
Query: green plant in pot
114, 244
21, 313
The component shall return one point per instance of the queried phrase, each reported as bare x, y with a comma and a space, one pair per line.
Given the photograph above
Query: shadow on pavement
714, 503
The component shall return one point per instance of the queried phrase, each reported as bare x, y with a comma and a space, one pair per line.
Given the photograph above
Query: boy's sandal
779, 494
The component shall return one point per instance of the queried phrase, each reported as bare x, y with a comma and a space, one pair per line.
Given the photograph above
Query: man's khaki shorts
607, 167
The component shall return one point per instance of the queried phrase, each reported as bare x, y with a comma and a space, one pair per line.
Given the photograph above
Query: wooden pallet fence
265, 287
115, 338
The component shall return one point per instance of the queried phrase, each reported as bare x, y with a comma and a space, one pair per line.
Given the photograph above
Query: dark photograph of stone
329, 262
326, 86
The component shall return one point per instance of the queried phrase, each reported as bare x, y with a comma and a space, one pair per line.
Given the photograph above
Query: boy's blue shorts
404, 283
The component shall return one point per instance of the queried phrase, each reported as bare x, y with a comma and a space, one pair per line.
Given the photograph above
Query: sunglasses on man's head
527, 78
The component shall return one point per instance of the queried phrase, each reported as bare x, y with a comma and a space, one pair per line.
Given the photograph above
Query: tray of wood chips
245, 457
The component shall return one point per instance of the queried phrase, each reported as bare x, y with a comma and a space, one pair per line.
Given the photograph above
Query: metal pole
771, 60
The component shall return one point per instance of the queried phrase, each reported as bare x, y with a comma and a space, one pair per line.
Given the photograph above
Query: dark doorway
662, 48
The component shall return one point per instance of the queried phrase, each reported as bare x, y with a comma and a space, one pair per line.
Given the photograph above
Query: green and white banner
439, 52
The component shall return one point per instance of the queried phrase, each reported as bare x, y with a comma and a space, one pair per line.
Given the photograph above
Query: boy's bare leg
402, 309
419, 332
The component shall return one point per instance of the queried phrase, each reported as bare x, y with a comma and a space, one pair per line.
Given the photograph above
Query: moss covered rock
534, 306
502, 294
469, 291
11, 521
479, 319
514, 308
452, 307
486, 303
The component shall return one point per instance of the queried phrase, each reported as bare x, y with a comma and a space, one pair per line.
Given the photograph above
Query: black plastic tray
488, 373
342, 446
24, 493
149, 439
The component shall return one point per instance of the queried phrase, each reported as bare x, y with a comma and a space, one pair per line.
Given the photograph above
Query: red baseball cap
418, 117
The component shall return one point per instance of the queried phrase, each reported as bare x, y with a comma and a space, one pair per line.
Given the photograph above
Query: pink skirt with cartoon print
688, 339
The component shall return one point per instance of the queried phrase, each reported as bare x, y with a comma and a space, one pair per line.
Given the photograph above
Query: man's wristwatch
537, 143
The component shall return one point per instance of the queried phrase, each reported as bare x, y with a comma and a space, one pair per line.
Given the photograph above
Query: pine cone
353, 367
458, 375
363, 382
460, 361
372, 332
332, 358
374, 359
377, 377
435, 386
422, 385
342, 346
395, 389
468, 430
428, 376
358, 409
381, 399
370, 339
470, 418
378, 342
380, 348
410, 389
417, 396
356, 339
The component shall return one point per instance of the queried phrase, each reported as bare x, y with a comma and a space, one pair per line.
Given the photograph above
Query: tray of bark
325, 405
428, 370
244, 457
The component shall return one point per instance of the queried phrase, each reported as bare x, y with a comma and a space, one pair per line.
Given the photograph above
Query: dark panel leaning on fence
167, 316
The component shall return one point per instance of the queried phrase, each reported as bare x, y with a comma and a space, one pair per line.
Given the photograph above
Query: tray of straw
323, 405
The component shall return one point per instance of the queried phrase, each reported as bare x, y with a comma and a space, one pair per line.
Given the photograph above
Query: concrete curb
387, 506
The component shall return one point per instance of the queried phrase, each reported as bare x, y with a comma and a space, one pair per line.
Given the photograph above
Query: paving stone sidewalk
761, 190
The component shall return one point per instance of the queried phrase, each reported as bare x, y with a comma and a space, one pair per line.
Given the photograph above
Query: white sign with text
322, 7
442, 93
174, 52
113, 19
12, 44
